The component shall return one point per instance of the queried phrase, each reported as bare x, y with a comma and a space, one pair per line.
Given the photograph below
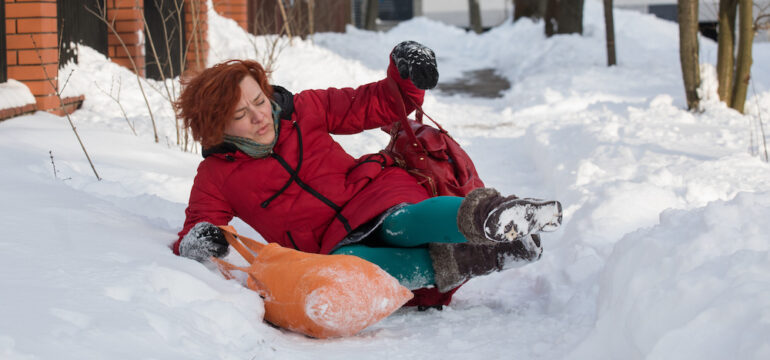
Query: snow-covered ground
664, 252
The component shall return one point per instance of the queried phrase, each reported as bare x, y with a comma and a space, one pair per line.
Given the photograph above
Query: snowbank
14, 94
696, 286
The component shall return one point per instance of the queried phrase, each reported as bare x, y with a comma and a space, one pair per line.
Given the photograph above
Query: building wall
456, 12
128, 44
32, 48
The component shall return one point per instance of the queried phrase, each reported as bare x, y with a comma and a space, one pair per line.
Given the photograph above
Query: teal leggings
405, 234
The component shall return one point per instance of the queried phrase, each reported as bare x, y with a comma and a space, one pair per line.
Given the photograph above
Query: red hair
208, 100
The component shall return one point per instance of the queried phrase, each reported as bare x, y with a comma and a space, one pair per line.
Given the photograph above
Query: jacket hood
284, 98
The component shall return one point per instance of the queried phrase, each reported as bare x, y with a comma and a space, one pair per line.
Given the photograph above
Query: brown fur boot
454, 263
473, 212
486, 216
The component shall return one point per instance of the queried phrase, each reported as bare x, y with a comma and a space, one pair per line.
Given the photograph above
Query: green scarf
251, 147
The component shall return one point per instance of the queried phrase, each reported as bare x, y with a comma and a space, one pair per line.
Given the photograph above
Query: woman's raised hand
416, 62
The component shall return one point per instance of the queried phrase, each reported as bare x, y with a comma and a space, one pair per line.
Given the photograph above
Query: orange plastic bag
321, 296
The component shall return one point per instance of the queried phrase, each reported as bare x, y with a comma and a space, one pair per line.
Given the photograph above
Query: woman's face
253, 118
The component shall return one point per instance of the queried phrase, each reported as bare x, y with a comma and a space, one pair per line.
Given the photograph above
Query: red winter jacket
309, 194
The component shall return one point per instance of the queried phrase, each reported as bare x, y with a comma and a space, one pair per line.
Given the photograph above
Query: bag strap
420, 112
248, 248
396, 91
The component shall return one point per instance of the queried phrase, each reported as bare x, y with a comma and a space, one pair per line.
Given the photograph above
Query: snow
14, 94
663, 252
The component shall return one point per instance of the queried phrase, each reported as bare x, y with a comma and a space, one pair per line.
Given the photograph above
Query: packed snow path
664, 252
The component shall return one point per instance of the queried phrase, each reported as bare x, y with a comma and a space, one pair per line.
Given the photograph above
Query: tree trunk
475, 16
688, 50
372, 9
564, 17
744, 60
551, 25
726, 49
534, 9
609, 27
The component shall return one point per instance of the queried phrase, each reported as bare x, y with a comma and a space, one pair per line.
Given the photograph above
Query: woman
270, 160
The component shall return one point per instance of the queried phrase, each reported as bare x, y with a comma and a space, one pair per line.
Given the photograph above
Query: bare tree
372, 9
726, 48
474, 12
564, 17
733, 73
609, 27
534, 9
688, 50
743, 60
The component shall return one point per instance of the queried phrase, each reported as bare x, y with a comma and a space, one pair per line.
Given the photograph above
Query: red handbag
428, 153
440, 165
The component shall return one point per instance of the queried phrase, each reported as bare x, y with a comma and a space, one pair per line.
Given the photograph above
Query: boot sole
517, 218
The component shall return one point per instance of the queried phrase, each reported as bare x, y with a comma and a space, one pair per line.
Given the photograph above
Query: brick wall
196, 29
32, 48
234, 9
129, 26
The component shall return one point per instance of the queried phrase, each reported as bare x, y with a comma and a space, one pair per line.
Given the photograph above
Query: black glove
416, 62
202, 242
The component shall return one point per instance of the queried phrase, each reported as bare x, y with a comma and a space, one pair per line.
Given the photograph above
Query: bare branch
111, 27
61, 104
116, 99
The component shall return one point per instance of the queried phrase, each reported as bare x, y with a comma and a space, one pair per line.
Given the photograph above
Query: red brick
72, 103
200, 28
127, 4
41, 87
25, 41
47, 102
31, 10
39, 25
132, 50
27, 57
10, 26
10, 56
16, 111
128, 25
124, 14
32, 72
128, 38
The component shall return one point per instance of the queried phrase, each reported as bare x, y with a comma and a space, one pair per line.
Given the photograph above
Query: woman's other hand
416, 62
203, 241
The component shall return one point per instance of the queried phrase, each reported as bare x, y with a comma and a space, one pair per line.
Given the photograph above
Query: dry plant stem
285, 20
61, 103
116, 99
761, 125
169, 96
762, 21
192, 38
50, 153
102, 15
